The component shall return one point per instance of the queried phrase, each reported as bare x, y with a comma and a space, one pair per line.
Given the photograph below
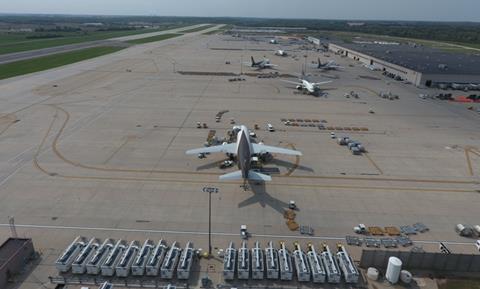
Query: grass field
154, 38
43, 63
17, 42
204, 27
348, 37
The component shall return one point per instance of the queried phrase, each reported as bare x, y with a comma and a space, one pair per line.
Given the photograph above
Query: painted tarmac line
175, 232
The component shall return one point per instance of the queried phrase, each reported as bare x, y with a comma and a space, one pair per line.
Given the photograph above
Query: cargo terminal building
422, 66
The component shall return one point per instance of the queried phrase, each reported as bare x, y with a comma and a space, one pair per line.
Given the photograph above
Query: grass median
17, 42
51, 61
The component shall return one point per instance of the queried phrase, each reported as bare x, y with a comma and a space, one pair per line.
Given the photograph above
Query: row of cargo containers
271, 263
109, 258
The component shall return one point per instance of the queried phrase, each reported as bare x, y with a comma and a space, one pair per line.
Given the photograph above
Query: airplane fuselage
244, 151
308, 86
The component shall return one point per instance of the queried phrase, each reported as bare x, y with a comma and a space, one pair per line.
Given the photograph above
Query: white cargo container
316, 265
258, 266
271, 258
301, 264
80, 263
350, 271
186, 261
243, 264
140, 262
156, 259
93, 265
285, 262
64, 262
108, 268
229, 262
124, 266
331, 266
170, 262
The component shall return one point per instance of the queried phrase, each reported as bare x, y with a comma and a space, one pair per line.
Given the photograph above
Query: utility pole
210, 190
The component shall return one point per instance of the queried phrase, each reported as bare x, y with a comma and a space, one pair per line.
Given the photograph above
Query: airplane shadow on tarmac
261, 196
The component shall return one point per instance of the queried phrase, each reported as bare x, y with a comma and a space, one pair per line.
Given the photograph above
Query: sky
427, 10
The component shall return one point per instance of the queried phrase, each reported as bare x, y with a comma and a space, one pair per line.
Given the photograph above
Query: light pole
210, 190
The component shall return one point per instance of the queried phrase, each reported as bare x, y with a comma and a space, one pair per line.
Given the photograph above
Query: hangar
419, 65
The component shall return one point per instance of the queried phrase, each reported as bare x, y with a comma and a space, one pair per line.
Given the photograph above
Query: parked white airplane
244, 149
281, 53
263, 64
307, 86
331, 65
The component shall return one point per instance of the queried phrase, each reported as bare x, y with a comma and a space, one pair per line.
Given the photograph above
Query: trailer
170, 262
80, 263
64, 262
229, 262
316, 265
331, 266
138, 266
93, 265
243, 264
350, 271
108, 268
301, 263
124, 266
258, 266
155, 261
285, 262
271, 256
186, 261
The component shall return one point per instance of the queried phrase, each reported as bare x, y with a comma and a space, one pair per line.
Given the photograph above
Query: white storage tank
393, 270
406, 277
372, 273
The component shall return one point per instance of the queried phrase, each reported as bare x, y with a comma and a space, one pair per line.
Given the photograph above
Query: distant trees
465, 32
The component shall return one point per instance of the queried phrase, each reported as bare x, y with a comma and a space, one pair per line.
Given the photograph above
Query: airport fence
428, 261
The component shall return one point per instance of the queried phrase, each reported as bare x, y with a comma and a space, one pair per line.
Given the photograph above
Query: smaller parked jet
263, 64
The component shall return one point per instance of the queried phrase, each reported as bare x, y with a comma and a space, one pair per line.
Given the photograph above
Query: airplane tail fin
319, 63
237, 175
253, 61
253, 175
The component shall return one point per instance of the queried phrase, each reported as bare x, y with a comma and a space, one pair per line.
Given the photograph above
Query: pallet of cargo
289, 214
376, 231
353, 241
408, 230
292, 225
389, 243
404, 241
420, 227
211, 135
372, 242
392, 231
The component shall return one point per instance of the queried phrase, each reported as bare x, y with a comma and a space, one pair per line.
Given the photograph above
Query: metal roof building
422, 66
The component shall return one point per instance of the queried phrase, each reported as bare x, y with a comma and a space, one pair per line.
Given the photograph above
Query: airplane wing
292, 82
228, 148
322, 83
258, 149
